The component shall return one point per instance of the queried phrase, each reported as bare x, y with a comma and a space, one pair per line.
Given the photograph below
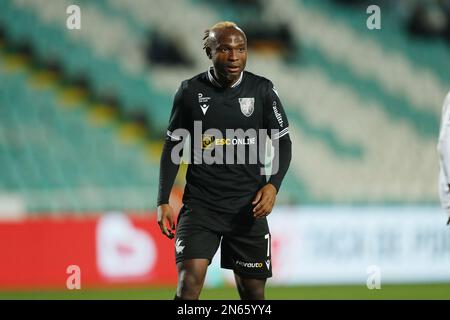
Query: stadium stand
64, 151
363, 133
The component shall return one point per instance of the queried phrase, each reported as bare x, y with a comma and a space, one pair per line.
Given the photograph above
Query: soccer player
444, 157
225, 201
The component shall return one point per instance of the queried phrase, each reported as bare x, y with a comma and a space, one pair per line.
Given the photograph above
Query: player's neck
223, 81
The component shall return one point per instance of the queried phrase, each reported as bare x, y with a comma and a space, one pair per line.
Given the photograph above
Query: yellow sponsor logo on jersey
207, 141
221, 142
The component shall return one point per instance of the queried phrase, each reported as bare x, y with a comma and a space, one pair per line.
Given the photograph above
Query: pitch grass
387, 292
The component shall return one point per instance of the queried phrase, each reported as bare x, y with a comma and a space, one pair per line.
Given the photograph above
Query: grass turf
400, 291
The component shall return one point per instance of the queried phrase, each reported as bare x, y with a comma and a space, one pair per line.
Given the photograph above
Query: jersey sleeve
177, 117
168, 169
274, 114
444, 140
275, 119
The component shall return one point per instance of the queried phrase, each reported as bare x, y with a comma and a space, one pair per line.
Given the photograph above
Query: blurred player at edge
224, 204
444, 157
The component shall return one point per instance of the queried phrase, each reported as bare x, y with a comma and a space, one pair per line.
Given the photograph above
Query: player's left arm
444, 153
276, 122
444, 140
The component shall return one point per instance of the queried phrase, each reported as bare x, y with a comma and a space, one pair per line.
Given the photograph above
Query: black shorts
245, 240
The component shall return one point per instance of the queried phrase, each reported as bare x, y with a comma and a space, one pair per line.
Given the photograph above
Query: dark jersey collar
217, 84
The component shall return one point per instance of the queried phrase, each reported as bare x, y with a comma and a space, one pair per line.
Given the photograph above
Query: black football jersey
226, 129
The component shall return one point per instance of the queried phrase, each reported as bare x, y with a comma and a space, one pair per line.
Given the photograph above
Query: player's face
229, 55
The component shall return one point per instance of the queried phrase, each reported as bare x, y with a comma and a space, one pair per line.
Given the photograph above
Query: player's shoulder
266, 85
258, 79
195, 81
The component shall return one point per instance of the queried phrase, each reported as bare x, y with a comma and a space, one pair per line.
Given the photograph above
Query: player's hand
165, 220
264, 201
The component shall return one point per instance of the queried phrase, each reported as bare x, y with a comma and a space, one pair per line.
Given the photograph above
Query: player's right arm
274, 118
444, 156
167, 174
168, 167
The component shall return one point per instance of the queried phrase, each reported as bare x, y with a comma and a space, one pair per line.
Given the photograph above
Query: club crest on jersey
247, 106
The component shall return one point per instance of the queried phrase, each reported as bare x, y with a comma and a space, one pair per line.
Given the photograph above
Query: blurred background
83, 115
